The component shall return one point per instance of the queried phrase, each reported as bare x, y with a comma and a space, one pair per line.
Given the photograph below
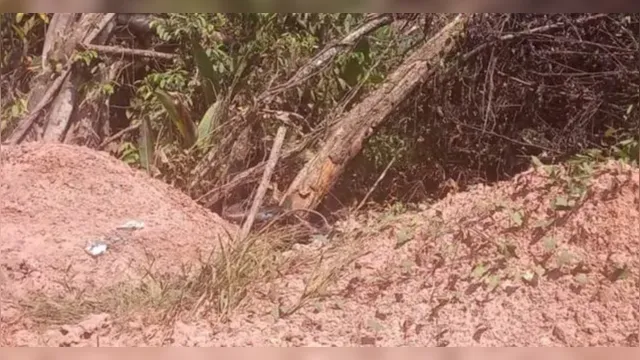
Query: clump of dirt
549, 258
57, 199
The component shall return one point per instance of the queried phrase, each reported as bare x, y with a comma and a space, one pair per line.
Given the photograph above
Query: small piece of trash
320, 238
96, 248
132, 225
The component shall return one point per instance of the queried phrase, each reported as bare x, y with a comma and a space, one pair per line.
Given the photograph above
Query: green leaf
145, 145
212, 119
44, 17
206, 71
128, 153
610, 132
492, 282
564, 258
179, 117
542, 223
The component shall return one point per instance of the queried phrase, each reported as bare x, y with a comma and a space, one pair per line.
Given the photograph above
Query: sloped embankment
548, 258
534, 261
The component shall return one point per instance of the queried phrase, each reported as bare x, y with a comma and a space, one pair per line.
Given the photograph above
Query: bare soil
519, 263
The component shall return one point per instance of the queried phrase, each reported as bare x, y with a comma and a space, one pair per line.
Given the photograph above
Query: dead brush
239, 266
158, 292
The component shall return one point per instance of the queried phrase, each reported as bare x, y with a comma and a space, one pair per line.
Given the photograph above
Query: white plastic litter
132, 225
96, 248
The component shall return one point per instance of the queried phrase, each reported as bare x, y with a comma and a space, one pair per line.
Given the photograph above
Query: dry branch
264, 184
117, 50
247, 176
324, 57
540, 29
382, 175
118, 135
312, 67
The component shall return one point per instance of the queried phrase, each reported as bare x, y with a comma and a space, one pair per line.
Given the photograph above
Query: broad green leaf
145, 145
190, 127
169, 106
209, 122
179, 117
206, 71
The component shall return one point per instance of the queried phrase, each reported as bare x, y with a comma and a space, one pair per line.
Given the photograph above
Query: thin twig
246, 176
541, 147
324, 57
264, 184
118, 135
540, 29
117, 50
490, 84
302, 221
382, 175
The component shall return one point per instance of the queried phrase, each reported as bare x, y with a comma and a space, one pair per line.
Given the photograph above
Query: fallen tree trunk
318, 175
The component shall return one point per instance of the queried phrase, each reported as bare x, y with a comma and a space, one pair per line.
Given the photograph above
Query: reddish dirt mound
515, 264
57, 198
495, 266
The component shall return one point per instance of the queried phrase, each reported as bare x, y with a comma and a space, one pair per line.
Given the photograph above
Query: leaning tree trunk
59, 111
318, 175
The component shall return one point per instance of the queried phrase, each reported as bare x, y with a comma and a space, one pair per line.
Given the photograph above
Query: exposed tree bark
90, 122
318, 175
67, 108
